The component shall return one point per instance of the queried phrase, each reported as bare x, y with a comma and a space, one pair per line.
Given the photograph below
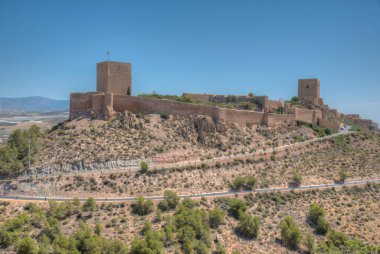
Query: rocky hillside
157, 139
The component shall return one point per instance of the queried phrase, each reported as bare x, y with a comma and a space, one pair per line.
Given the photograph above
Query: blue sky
50, 48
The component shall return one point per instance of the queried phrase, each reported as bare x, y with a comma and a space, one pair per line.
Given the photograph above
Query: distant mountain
33, 104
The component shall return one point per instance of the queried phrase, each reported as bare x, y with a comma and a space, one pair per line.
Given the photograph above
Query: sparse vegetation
142, 206
296, 180
290, 232
170, 201
248, 225
247, 182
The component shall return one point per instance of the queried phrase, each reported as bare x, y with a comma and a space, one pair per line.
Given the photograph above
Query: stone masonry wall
80, 104
330, 124
105, 105
307, 115
241, 117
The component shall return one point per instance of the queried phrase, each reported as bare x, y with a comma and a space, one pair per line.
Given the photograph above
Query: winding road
200, 195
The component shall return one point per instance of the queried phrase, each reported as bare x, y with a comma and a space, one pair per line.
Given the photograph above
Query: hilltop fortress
114, 96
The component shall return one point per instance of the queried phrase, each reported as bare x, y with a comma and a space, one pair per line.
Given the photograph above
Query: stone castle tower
114, 77
309, 91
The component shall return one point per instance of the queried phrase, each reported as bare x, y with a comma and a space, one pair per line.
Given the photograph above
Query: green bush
296, 180
142, 206
247, 182
27, 246
216, 218
144, 167
315, 212
290, 232
342, 176
89, 205
164, 116
248, 226
170, 201
309, 242
238, 183
322, 226
192, 229
237, 207
338, 242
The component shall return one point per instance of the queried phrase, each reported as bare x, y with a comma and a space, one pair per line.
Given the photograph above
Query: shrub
238, 183
89, 205
170, 201
247, 182
27, 246
220, 249
250, 182
296, 180
216, 218
192, 228
237, 207
315, 212
142, 206
342, 176
248, 226
322, 226
310, 245
164, 116
338, 242
98, 229
290, 232
144, 167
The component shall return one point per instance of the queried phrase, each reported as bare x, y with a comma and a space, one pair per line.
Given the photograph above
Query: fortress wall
98, 103
83, 104
151, 106
267, 103
330, 124
278, 119
274, 104
80, 104
241, 117
307, 115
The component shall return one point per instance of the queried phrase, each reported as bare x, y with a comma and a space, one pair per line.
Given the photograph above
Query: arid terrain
350, 213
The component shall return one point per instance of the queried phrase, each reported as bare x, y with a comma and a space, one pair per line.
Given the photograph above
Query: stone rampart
157, 106
307, 115
330, 124
81, 104
242, 117
278, 119
102, 105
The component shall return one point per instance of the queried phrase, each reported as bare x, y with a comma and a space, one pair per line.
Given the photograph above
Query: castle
114, 95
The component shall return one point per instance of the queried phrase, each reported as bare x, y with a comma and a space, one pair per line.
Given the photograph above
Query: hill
33, 104
82, 158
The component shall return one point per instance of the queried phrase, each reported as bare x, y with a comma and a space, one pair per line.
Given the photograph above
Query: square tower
114, 77
309, 89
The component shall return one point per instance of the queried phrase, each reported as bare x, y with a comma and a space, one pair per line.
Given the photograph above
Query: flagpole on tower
108, 55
